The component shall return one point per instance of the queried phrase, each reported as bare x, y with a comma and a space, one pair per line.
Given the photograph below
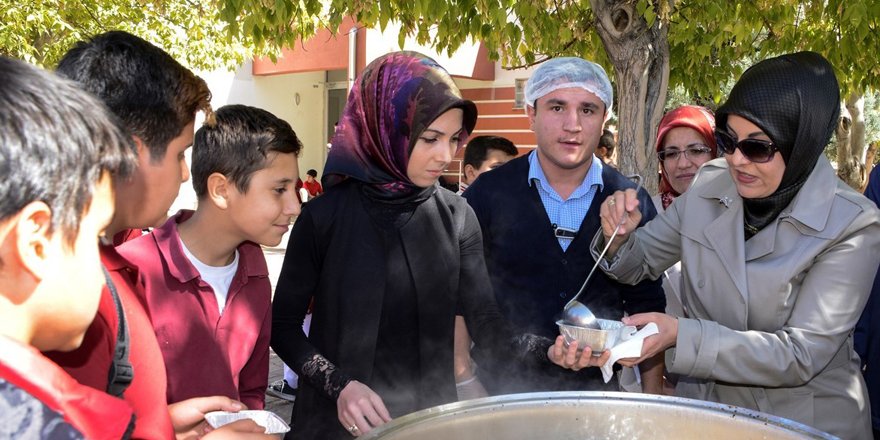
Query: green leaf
485, 31
650, 17
401, 38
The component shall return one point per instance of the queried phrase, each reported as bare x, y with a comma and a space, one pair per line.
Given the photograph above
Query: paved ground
274, 404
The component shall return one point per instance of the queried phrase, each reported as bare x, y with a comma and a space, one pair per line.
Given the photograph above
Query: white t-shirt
219, 278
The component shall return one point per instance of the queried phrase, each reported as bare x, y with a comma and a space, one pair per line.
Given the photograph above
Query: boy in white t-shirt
207, 286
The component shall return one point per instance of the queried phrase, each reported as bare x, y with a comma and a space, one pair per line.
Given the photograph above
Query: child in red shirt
206, 282
312, 185
58, 146
155, 99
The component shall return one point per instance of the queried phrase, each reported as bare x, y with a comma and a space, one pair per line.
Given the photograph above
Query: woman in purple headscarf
389, 258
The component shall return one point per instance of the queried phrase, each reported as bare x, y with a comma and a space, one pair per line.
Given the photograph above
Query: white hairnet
567, 72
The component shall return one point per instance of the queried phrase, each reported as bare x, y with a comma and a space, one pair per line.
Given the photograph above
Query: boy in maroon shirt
206, 282
156, 100
58, 146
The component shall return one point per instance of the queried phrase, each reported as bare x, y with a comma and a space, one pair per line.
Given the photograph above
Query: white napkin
629, 345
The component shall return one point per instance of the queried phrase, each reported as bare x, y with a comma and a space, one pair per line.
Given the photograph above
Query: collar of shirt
251, 261
566, 214
593, 177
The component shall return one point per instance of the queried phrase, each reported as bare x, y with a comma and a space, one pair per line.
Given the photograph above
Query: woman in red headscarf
685, 141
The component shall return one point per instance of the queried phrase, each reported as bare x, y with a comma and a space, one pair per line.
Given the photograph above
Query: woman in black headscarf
778, 256
389, 258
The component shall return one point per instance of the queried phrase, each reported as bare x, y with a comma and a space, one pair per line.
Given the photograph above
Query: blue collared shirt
566, 214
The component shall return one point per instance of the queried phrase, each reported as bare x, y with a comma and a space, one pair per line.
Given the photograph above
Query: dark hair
607, 141
478, 149
55, 142
237, 145
312, 173
445, 183
149, 91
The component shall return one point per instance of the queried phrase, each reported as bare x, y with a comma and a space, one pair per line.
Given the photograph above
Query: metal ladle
576, 312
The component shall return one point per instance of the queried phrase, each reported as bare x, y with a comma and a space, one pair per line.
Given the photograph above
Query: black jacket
335, 253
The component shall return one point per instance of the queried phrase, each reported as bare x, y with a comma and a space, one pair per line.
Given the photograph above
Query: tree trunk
869, 163
640, 56
841, 136
851, 146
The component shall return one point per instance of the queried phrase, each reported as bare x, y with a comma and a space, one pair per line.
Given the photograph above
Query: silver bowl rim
406, 421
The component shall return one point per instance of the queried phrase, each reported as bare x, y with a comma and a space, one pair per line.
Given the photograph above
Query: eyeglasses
755, 150
692, 152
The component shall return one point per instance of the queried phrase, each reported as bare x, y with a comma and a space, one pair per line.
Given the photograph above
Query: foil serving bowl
609, 334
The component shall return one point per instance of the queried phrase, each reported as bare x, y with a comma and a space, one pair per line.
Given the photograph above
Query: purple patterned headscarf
394, 99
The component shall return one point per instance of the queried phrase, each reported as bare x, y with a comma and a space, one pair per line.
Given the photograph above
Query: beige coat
671, 277
768, 323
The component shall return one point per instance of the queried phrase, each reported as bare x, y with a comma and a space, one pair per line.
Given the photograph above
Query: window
519, 86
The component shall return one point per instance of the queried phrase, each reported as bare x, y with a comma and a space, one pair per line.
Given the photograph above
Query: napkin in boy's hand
628, 346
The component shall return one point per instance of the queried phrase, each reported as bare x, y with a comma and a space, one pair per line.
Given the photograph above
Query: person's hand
360, 409
620, 206
188, 416
245, 429
569, 358
666, 324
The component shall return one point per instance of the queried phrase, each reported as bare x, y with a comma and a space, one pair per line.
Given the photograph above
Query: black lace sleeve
532, 349
323, 375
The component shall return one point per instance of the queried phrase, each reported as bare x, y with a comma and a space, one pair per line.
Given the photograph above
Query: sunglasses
755, 150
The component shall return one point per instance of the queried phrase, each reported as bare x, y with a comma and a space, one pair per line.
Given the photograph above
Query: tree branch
92, 15
546, 57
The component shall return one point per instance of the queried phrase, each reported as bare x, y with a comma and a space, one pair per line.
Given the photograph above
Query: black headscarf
795, 100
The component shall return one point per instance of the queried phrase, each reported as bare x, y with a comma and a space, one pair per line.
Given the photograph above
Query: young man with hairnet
538, 214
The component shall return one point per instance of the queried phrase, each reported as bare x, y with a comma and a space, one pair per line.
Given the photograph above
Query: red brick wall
497, 117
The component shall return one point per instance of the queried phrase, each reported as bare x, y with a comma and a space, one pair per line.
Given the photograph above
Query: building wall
495, 103
497, 114
278, 95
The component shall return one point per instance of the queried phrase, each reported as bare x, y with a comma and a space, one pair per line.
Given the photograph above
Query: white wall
503, 78
380, 42
276, 94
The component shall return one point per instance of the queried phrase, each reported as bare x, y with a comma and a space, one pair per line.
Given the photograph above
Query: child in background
312, 184
484, 153
606, 147
206, 281
58, 147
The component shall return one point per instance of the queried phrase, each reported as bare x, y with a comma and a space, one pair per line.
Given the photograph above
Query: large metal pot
590, 415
